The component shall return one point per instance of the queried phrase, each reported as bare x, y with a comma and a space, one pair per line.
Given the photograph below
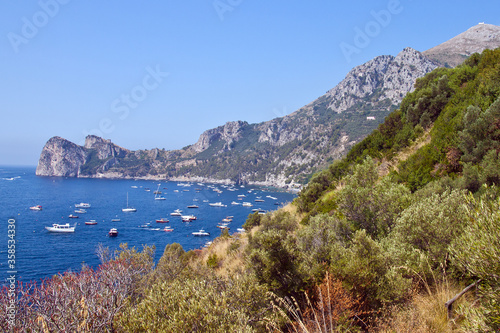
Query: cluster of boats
81, 208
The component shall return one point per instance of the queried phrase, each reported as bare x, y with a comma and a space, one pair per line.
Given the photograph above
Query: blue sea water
40, 254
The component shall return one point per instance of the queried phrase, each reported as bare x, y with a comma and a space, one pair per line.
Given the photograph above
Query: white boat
61, 228
235, 203
37, 207
82, 205
270, 197
247, 204
192, 206
241, 196
80, 211
157, 194
91, 222
113, 232
176, 212
188, 218
200, 233
240, 229
128, 209
259, 200
217, 204
168, 229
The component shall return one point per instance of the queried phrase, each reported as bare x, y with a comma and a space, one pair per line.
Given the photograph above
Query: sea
36, 253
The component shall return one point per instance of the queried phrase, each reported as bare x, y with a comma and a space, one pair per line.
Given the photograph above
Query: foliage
369, 204
88, 301
477, 251
273, 255
366, 270
201, 304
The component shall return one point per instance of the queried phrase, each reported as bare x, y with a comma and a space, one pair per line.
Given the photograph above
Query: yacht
247, 204
176, 212
61, 228
200, 233
37, 207
217, 204
113, 232
82, 205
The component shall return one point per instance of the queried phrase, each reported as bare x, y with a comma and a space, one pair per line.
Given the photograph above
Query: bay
40, 254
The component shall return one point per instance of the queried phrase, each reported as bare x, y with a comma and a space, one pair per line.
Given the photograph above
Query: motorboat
247, 204
176, 212
71, 216
162, 220
270, 197
223, 226
192, 206
80, 211
61, 228
200, 233
113, 232
227, 220
235, 203
188, 218
116, 219
91, 222
82, 205
240, 229
259, 200
37, 207
168, 229
217, 204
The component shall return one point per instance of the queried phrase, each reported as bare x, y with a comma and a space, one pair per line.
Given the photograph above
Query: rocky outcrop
229, 132
104, 148
60, 157
476, 39
381, 83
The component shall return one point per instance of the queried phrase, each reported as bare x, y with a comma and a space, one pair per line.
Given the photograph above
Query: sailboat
158, 194
128, 209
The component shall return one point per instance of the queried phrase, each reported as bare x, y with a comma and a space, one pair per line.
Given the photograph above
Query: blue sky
159, 73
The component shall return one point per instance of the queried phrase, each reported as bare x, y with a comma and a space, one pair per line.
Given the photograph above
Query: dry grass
425, 312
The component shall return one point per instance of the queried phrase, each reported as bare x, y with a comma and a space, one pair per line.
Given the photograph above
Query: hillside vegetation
378, 242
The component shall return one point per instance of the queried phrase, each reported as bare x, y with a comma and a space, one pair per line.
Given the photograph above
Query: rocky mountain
281, 152
476, 39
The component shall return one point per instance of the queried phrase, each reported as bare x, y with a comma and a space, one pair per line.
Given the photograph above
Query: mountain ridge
282, 152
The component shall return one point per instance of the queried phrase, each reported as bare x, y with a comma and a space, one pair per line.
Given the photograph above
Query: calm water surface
41, 254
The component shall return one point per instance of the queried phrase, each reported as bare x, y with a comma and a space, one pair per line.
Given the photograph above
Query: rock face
104, 148
60, 157
476, 39
381, 82
229, 132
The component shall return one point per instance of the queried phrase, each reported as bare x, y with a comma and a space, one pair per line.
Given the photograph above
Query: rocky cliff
60, 157
281, 152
